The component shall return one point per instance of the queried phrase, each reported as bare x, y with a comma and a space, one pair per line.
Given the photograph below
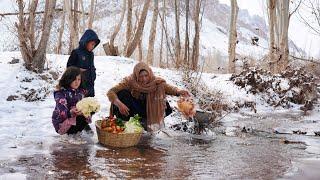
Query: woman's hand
183, 93
122, 107
75, 112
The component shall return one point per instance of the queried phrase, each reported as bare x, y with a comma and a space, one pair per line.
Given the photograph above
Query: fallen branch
305, 59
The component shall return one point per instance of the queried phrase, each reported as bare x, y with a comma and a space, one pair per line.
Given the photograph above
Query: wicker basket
117, 140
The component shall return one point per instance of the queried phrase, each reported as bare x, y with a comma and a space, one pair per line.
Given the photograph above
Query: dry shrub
294, 85
208, 100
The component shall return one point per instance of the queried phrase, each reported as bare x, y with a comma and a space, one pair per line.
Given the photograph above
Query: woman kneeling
144, 94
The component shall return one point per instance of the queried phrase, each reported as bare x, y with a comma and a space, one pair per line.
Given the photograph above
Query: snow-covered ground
26, 128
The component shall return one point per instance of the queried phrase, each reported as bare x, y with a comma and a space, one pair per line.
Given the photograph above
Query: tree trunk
129, 24
76, 21
168, 42
117, 28
162, 37
34, 57
40, 55
140, 47
186, 40
161, 48
31, 24
233, 36
137, 36
153, 32
177, 33
91, 14
284, 49
140, 52
82, 23
61, 29
73, 40
110, 48
196, 41
26, 50
278, 27
272, 47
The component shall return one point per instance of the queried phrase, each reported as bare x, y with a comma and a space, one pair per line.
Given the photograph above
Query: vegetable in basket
112, 125
133, 125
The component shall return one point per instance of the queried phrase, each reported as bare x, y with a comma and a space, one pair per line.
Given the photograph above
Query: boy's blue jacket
84, 59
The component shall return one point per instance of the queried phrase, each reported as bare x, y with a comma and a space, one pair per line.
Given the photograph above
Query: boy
83, 58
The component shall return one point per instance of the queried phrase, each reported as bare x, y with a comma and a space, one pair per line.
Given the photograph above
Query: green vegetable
119, 122
133, 125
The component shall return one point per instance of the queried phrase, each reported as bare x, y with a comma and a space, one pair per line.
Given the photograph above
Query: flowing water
247, 148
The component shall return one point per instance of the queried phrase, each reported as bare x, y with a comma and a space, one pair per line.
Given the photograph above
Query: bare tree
284, 26
278, 12
186, 40
137, 36
61, 30
91, 14
169, 42
271, 19
311, 15
82, 23
136, 24
110, 48
34, 56
75, 22
129, 24
196, 40
162, 35
140, 52
73, 39
233, 36
177, 32
153, 32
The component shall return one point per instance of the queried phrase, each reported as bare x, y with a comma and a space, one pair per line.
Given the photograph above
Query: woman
144, 94
66, 118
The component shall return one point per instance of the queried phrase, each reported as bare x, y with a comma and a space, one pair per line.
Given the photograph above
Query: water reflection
71, 161
176, 155
141, 161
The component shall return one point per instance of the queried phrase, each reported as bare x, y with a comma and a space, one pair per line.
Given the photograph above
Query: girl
66, 118
83, 58
145, 94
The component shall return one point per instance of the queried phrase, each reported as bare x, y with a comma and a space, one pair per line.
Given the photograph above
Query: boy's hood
89, 35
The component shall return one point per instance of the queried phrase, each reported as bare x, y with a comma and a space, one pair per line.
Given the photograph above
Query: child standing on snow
83, 58
66, 118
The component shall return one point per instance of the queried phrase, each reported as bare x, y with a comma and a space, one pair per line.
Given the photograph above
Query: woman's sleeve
60, 114
112, 93
171, 90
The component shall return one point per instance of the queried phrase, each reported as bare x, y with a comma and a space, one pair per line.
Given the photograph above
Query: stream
259, 146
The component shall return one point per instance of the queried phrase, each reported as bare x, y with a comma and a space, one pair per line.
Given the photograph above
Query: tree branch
38, 12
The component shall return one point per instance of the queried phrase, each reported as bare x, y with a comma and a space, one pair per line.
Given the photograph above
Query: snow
26, 127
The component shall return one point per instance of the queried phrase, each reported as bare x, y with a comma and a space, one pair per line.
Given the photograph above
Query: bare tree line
174, 48
33, 42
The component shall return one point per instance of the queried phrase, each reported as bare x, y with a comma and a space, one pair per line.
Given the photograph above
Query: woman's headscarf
155, 90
